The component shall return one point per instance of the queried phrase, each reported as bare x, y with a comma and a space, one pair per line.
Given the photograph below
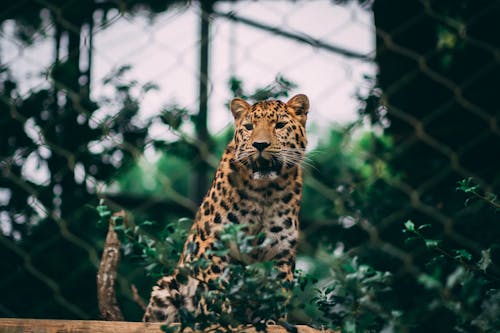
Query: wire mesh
101, 100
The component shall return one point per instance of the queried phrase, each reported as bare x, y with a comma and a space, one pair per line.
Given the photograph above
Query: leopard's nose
261, 145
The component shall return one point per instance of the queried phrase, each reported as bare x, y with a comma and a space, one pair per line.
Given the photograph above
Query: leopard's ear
299, 107
238, 107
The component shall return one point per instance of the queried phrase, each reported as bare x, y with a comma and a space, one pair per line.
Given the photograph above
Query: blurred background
126, 101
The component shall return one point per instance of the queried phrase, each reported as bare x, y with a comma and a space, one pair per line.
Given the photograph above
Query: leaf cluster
156, 247
353, 299
465, 283
279, 88
244, 293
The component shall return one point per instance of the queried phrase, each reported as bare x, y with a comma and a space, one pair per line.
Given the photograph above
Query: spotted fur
258, 184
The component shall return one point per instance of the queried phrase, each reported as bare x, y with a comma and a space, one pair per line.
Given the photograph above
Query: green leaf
463, 254
467, 185
431, 243
423, 226
103, 211
457, 277
485, 260
429, 281
410, 226
185, 220
148, 223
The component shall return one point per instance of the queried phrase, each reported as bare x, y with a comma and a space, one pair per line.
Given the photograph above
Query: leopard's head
270, 136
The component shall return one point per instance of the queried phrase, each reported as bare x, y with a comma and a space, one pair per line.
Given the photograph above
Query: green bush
339, 290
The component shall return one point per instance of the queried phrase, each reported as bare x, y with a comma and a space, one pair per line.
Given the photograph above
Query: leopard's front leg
163, 302
284, 235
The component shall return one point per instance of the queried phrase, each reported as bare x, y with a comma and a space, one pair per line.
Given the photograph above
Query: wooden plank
16, 325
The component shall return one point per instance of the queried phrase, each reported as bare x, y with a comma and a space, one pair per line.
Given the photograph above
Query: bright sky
165, 51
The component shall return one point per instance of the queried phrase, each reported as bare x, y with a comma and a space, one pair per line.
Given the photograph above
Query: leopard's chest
276, 221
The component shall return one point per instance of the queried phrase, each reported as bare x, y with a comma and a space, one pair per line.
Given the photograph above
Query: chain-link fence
127, 101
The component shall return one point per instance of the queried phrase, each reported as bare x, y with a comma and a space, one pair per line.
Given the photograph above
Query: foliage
460, 284
466, 285
30, 16
156, 247
279, 88
95, 151
344, 175
244, 293
356, 298
351, 296
468, 186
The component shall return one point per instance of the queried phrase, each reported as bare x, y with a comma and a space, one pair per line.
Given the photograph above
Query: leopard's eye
249, 127
280, 124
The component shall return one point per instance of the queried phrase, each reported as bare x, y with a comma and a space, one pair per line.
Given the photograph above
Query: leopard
257, 185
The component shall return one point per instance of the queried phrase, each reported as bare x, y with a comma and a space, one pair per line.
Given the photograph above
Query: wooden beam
11, 325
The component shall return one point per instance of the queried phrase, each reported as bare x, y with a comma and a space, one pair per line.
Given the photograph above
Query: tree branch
302, 38
106, 276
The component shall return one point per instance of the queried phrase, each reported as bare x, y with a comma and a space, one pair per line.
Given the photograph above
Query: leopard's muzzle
265, 169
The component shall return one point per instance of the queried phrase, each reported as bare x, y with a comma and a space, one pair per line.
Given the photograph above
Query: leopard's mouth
266, 169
